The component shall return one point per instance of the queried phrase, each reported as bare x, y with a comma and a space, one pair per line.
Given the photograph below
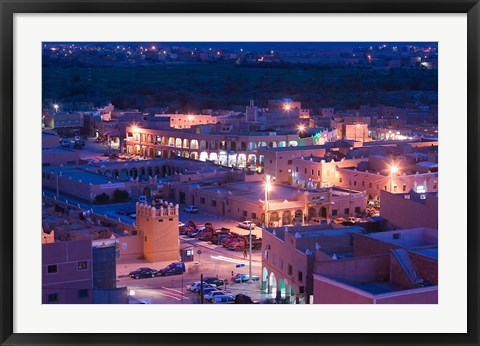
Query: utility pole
201, 288
250, 259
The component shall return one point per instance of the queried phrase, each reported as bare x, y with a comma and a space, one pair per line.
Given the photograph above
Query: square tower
159, 229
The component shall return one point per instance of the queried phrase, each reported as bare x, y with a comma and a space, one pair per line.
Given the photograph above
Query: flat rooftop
408, 238
312, 231
86, 177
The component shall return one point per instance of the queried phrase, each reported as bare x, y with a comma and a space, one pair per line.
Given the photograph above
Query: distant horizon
258, 44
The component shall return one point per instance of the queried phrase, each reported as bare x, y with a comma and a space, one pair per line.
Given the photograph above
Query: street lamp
393, 170
55, 106
301, 128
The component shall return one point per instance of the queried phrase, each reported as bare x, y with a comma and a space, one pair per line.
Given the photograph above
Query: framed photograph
272, 167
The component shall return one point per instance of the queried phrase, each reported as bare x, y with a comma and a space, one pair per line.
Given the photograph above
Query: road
212, 261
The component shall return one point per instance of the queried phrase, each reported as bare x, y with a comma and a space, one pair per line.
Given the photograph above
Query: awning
113, 133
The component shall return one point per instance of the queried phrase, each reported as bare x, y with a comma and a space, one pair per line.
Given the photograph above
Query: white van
142, 199
223, 300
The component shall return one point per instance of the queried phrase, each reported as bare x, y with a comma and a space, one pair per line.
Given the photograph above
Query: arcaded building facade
226, 149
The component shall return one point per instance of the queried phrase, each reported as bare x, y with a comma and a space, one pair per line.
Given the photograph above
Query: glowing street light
393, 170
288, 107
301, 128
56, 106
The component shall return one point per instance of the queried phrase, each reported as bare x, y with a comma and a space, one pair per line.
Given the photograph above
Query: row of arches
277, 289
224, 158
196, 144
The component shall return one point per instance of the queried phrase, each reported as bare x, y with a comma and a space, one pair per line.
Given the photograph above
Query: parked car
176, 268
125, 211
227, 299
339, 220
133, 216
207, 290
244, 278
193, 234
212, 294
190, 209
195, 287
142, 273
65, 143
214, 281
247, 224
243, 299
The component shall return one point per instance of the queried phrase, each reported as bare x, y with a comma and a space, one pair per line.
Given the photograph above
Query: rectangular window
244, 213
52, 269
83, 293
82, 265
377, 187
202, 200
340, 179
318, 173
347, 211
370, 185
305, 171
290, 269
214, 203
355, 183
254, 216
270, 161
363, 183
434, 186
52, 298
281, 263
334, 212
296, 169
145, 238
404, 187
289, 162
300, 276
357, 210
312, 171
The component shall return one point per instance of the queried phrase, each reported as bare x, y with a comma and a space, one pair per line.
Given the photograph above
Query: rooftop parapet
162, 209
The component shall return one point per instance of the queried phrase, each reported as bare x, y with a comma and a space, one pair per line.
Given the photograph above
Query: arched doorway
291, 294
282, 289
299, 215
272, 284
264, 280
274, 219
287, 217
311, 213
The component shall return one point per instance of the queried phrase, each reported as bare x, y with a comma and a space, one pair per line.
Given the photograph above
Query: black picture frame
11, 7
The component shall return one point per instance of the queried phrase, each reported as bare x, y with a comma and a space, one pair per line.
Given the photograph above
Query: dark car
125, 211
214, 281
142, 273
176, 268
244, 278
243, 299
